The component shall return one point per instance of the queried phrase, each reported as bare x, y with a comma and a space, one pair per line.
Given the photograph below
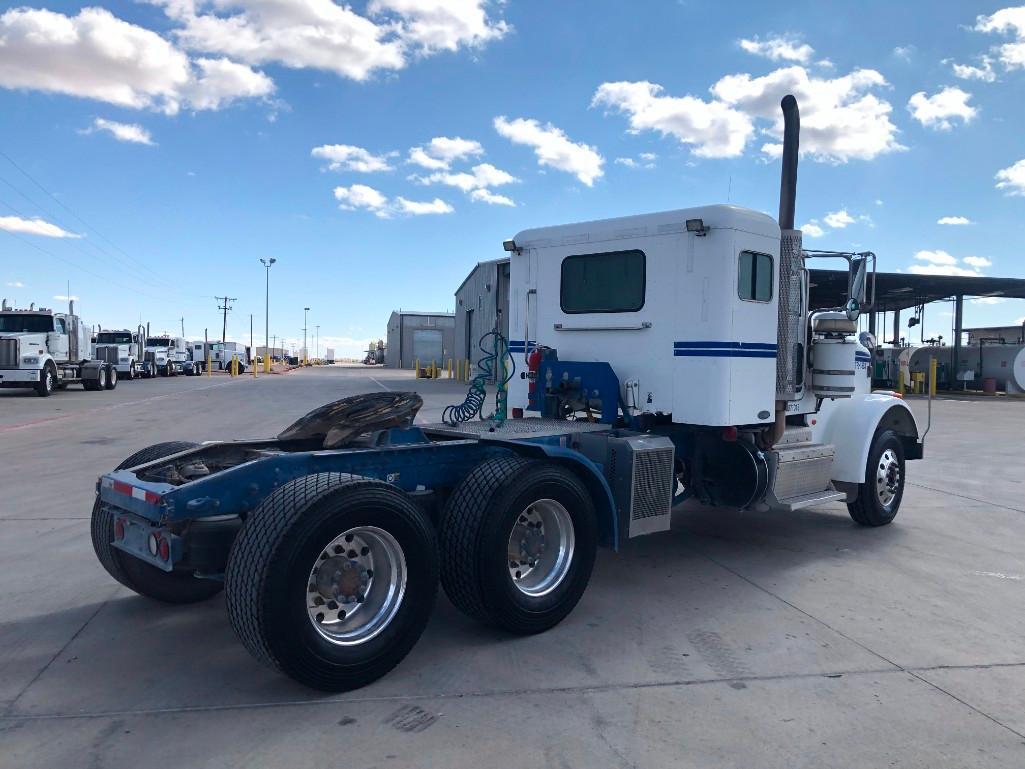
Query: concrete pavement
739, 639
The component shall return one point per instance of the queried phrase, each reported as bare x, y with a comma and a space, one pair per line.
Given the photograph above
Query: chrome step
810, 500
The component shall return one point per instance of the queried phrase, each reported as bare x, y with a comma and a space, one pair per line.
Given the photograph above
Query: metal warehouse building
424, 336
481, 298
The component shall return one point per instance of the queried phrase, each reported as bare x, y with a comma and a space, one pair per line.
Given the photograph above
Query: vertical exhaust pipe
790, 318
788, 176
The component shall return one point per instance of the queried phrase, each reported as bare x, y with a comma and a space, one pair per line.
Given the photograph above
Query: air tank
1006, 364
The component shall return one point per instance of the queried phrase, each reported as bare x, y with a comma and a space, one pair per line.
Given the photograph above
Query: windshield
26, 323
158, 341
114, 337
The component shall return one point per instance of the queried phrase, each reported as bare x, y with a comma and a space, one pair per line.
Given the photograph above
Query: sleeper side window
607, 282
754, 277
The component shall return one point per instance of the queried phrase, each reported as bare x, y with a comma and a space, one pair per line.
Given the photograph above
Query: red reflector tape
142, 495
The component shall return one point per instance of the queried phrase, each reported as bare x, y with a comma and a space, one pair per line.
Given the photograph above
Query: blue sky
378, 150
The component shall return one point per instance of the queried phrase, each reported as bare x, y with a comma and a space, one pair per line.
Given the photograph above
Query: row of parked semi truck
45, 350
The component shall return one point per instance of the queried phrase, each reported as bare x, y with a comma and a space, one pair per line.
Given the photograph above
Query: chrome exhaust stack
791, 263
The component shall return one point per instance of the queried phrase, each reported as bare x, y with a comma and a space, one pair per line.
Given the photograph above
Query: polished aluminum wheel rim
888, 477
541, 546
356, 586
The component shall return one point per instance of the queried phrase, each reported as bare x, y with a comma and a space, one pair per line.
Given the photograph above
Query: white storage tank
832, 373
1006, 364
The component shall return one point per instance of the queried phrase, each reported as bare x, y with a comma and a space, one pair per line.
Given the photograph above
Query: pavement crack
965, 496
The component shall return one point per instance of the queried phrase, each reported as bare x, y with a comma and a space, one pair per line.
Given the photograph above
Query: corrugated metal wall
483, 296
427, 336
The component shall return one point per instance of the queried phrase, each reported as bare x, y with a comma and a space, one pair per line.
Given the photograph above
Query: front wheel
332, 580
132, 371
518, 543
111, 377
879, 497
47, 381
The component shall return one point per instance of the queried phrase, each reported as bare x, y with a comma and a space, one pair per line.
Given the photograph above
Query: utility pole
183, 326
306, 350
225, 305
318, 342
252, 350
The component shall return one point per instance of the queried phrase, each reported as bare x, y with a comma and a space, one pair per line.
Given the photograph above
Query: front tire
879, 497
518, 542
47, 381
146, 580
311, 561
111, 377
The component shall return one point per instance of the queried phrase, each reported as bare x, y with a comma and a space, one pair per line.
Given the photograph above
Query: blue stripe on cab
703, 345
724, 353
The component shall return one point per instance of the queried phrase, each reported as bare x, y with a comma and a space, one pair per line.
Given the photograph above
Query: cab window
754, 277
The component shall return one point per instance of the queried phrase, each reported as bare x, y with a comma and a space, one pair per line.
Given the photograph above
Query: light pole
306, 350
318, 343
266, 315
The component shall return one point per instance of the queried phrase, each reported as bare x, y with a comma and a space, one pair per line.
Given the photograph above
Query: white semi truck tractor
46, 351
121, 349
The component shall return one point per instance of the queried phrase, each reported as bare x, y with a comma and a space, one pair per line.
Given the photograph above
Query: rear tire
47, 381
146, 580
879, 497
491, 523
277, 572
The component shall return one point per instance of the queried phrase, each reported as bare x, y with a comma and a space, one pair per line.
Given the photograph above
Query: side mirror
859, 279
852, 308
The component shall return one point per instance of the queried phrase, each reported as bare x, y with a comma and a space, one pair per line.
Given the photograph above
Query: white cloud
441, 151
989, 300
940, 110
953, 220
1012, 179
838, 219
35, 226
553, 148
935, 257
474, 182
1007, 20
123, 132
842, 118
442, 25
96, 55
15, 284
361, 197
489, 197
346, 157
984, 72
904, 52
65, 298
712, 129
325, 35
784, 48
643, 160
417, 208
813, 230
942, 263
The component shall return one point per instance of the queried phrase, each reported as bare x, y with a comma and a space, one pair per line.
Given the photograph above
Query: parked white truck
45, 350
120, 349
168, 356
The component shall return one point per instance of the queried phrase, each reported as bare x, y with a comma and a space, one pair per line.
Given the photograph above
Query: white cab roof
715, 217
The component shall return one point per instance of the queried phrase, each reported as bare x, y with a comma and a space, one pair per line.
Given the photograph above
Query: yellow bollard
900, 381
416, 367
449, 368
434, 369
266, 364
234, 365
932, 376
